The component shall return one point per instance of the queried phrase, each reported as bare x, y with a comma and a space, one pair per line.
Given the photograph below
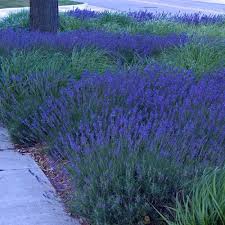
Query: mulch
54, 169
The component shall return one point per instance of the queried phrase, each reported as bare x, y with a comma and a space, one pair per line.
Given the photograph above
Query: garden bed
135, 104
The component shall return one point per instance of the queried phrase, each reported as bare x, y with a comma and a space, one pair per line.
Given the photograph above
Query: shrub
84, 14
115, 44
163, 115
205, 205
171, 111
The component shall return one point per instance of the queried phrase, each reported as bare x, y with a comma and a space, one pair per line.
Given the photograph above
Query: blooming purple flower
120, 43
165, 110
144, 16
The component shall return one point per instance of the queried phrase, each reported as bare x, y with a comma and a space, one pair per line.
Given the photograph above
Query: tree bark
44, 15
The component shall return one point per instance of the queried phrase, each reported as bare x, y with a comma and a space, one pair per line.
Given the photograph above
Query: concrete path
26, 195
5, 12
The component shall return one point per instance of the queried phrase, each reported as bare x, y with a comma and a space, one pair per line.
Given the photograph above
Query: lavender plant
115, 126
173, 111
143, 16
192, 19
113, 43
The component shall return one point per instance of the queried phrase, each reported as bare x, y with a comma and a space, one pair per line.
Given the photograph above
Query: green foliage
40, 60
206, 204
215, 30
115, 18
43, 60
200, 57
15, 20
68, 23
90, 59
117, 185
68, 2
13, 3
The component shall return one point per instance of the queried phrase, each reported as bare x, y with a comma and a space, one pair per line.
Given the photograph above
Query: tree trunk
44, 15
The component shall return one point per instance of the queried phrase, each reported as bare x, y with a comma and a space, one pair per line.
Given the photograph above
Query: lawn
133, 103
25, 3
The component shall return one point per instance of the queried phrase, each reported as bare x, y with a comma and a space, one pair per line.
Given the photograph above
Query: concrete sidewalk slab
11, 160
26, 195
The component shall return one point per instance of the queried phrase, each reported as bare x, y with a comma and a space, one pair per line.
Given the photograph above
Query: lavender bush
170, 110
145, 16
142, 45
111, 127
83, 14
192, 19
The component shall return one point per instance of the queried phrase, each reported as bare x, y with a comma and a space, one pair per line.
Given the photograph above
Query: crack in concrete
46, 195
6, 149
29, 170
37, 177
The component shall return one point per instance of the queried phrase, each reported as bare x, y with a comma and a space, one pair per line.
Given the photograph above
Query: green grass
206, 204
42, 60
25, 3
199, 57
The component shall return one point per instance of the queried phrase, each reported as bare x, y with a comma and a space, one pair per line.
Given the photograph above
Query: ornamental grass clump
43, 60
205, 204
200, 56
